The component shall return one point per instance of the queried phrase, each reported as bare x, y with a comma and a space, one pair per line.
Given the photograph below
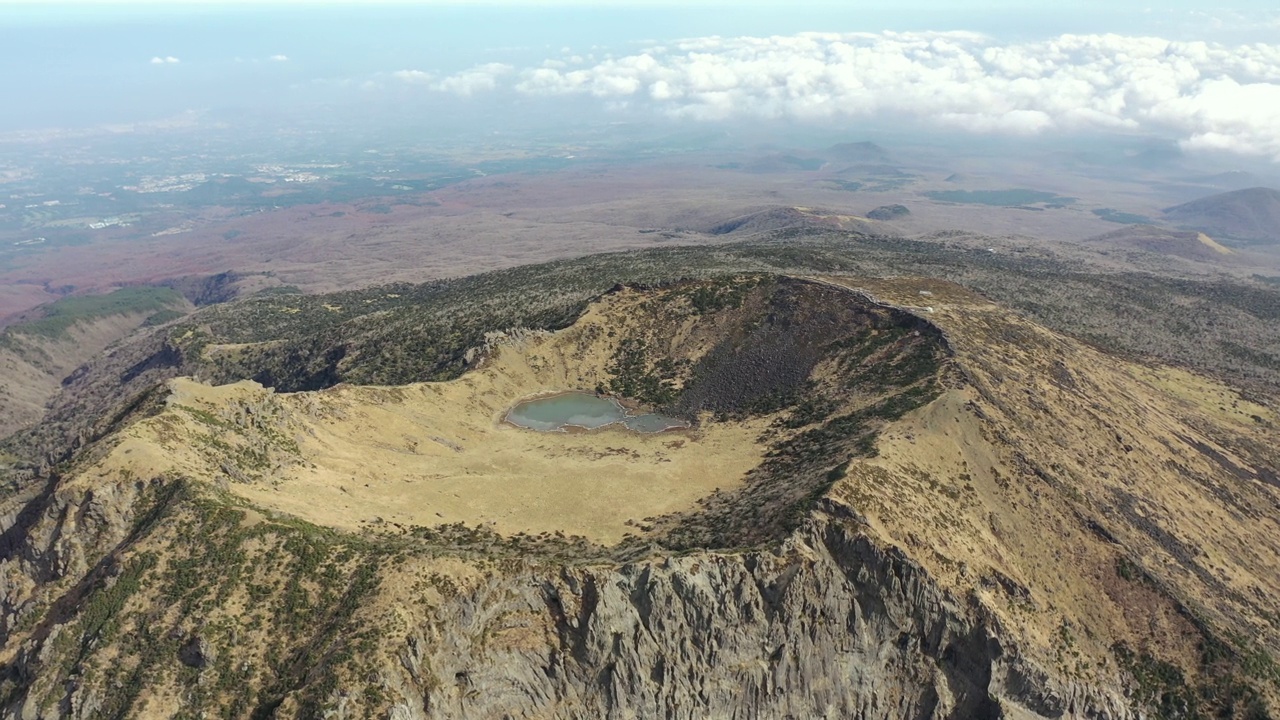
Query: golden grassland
440, 453
1052, 466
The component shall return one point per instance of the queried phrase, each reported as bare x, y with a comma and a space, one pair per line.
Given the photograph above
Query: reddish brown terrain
509, 220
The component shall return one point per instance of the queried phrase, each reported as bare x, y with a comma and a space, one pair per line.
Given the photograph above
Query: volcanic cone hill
728, 356
858, 152
880, 510
1251, 215
792, 218
1163, 241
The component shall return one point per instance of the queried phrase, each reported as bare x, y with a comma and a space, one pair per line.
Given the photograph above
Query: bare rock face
51, 533
830, 625
197, 653
833, 626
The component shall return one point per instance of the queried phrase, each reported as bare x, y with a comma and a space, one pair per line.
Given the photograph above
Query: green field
1000, 198
59, 316
1115, 216
848, 185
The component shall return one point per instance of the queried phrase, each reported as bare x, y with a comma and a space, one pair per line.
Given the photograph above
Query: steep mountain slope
1250, 215
45, 347
956, 513
1111, 484
42, 348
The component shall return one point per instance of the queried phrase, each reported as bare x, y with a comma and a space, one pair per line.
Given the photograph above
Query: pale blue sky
78, 64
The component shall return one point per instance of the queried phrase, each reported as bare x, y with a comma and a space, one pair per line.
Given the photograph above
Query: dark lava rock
196, 653
889, 212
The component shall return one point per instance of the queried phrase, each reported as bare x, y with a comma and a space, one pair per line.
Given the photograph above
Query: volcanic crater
781, 381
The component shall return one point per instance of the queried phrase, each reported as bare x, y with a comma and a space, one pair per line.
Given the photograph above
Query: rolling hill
1248, 216
1163, 241
857, 152
773, 219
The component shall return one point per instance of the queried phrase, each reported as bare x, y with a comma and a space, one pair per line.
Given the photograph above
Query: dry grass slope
1091, 503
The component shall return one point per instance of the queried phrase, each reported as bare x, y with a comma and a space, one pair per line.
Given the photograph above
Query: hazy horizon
1205, 81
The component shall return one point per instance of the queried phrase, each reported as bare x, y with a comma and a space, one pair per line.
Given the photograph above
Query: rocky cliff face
64, 537
830, 625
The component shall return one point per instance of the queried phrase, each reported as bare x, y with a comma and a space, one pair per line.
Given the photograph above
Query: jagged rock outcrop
54, 534
831, 626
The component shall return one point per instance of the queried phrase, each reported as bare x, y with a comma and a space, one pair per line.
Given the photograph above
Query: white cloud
477, 79
167, 60
412, 76
481, 78
279, 58
1208, 95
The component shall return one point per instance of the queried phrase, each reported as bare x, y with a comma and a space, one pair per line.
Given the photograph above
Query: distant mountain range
1233, 180
858, 152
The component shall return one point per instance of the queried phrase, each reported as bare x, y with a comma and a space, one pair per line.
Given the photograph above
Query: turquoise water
584, 410
651, 423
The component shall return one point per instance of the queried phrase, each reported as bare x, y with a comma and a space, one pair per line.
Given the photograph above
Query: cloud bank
167, 60
1207, 95
478, 79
